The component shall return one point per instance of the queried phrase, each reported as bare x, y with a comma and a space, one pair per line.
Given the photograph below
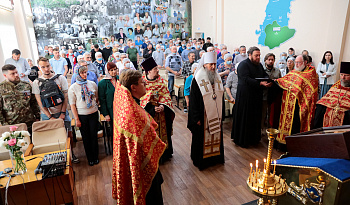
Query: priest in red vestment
136, 146
299, 100
333, 109
157, 102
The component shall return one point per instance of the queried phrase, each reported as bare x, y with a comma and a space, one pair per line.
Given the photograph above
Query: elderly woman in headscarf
290, 64
106, 89
282, 65
83, 99
115, 57
126, 65
225, 68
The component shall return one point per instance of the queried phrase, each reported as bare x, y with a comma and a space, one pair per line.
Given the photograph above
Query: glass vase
18, 162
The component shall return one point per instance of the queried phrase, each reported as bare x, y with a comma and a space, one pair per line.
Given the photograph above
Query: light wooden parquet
183, 182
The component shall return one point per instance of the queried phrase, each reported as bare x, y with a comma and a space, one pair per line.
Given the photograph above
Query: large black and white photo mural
71, 23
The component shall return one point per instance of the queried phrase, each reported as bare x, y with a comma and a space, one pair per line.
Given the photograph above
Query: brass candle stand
265, 184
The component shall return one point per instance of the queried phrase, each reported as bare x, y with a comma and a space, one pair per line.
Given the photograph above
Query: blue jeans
67, 120
170, 83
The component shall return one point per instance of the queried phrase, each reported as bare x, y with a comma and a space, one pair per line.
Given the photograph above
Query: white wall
319, 25
16, 31
346, 44
8, 39
204, 17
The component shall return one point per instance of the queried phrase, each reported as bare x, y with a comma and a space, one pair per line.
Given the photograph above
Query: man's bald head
173, 49
300, 62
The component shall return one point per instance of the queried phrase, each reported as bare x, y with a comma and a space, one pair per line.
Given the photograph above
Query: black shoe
96, 161
91, 163
75, 160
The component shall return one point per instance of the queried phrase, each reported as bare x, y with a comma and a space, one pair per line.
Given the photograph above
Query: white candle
251, 167
274, 169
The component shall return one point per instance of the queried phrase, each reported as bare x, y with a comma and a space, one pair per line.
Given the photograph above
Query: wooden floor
183, 182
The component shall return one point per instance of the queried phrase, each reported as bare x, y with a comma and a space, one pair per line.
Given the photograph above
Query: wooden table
163, 73
179, 84
60, 190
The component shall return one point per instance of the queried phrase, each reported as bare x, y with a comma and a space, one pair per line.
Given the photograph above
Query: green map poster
275, 29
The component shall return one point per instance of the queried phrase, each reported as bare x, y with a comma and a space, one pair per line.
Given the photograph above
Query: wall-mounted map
275, 29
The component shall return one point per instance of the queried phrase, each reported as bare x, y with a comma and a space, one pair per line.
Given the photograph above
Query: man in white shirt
59, 64
21, 64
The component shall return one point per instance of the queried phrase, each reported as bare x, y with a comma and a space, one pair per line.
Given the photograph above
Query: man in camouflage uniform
17, 103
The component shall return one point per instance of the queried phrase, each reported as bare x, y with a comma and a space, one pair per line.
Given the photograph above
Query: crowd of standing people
124, 85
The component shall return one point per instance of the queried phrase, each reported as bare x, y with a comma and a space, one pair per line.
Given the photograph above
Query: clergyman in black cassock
157, 102
246, 129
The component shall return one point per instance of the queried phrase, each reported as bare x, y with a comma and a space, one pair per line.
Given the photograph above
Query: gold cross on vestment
205, 85
337, 108
219, 82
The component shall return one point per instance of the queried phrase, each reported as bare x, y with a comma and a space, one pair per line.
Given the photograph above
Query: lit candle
274, 169
256, 166
264, 163
251, 167
250, 173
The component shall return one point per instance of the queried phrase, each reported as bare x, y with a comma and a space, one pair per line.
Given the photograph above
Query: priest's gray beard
300, 68
211, 76
345, 83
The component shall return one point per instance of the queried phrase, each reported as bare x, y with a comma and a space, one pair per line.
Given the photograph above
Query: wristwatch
63, 113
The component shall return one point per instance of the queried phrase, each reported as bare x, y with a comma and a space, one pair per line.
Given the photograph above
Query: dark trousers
88, 130
171, 83
135, 64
